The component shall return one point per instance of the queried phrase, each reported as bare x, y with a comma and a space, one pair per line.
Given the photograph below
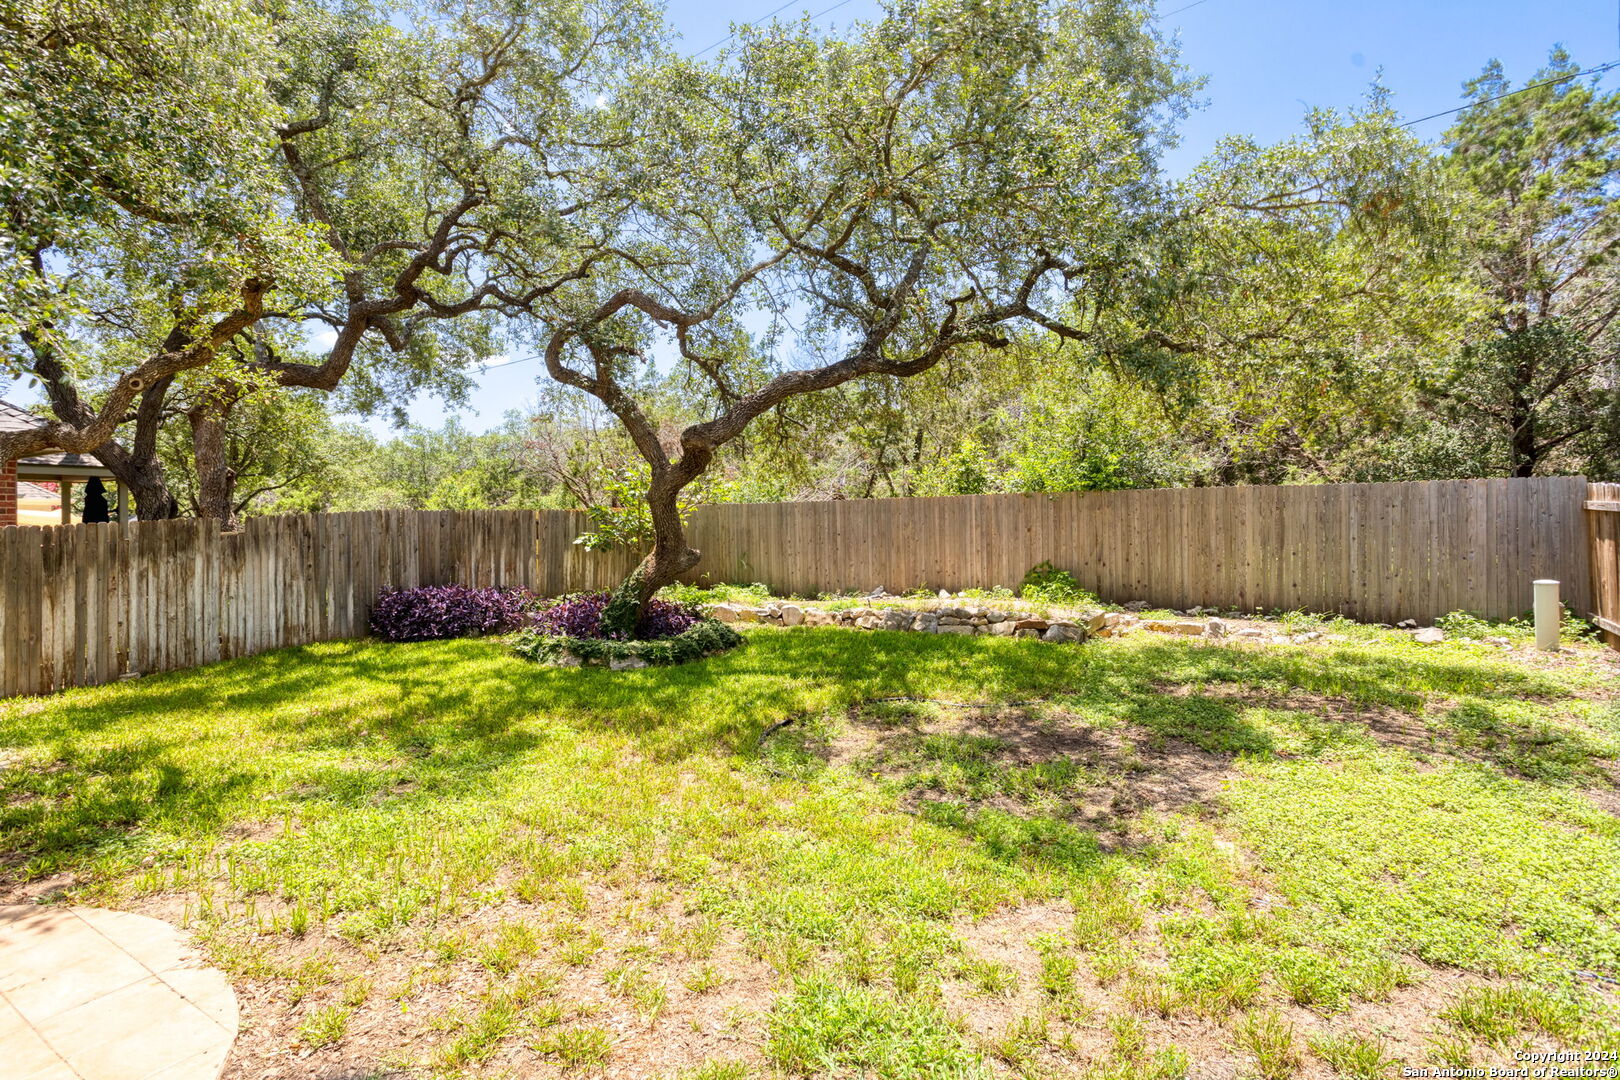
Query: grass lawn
966, 857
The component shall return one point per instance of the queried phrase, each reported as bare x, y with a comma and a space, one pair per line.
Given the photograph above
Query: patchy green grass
493, 868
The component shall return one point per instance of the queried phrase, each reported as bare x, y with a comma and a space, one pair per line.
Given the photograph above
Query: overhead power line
509, 363
1179, 10
778, 11
1523, 89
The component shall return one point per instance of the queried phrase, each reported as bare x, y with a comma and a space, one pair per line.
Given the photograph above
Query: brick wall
8, 494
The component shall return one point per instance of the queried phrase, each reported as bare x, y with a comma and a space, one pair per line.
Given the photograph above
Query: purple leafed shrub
580, 616
446, 611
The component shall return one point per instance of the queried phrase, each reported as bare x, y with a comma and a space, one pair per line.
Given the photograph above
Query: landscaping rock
1168, 626
970, 619
1407, 624
567, 659
626, 663
897, 619
1429, 635
1135, 605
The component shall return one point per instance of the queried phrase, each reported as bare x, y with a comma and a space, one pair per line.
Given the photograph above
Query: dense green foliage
707, 638
362, 202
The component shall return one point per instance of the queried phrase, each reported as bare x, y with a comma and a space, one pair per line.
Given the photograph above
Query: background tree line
232, 227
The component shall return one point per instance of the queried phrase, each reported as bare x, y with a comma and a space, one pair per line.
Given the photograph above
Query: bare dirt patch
1078, 1034
419, 1003
1128, 771
1394, 728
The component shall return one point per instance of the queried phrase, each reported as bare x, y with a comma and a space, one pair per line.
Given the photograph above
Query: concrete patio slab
90, 994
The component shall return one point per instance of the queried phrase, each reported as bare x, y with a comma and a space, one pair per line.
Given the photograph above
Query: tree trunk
143, 477
669, 558
216, 480
137, 467
1523, 419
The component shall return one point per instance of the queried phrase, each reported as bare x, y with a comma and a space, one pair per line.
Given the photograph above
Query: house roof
13, 418
26, 490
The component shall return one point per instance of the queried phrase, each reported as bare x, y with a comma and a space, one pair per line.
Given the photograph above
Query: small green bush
1047, 584
1467, 624
705, 639
716, 594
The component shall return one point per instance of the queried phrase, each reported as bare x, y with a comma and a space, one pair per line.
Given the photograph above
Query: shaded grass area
555, 869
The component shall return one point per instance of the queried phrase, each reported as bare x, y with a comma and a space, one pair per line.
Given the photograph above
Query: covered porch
67, 470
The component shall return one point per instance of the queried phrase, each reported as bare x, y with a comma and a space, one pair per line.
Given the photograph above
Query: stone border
968, 619
948, 616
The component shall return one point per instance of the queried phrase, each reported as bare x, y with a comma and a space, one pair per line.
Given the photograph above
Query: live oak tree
1301, 288
1542, 164
198, 184
811, 210
128, 158
946, 183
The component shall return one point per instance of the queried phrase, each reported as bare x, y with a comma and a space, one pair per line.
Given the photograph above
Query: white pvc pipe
1549, 613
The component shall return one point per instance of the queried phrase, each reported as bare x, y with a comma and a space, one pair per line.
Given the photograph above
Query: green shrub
1467, 624
716, 594
705, 639
1047, 584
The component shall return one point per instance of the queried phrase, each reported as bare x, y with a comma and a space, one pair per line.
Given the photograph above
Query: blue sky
1267, 62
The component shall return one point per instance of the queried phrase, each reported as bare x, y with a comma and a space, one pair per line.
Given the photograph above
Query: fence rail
82, 604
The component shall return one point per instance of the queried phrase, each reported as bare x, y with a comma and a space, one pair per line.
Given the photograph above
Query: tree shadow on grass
189, 749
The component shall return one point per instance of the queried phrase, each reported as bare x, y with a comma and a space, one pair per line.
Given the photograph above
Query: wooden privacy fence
82, 604
1375, 552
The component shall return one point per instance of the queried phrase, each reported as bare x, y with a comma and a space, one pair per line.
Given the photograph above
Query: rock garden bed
967, 618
